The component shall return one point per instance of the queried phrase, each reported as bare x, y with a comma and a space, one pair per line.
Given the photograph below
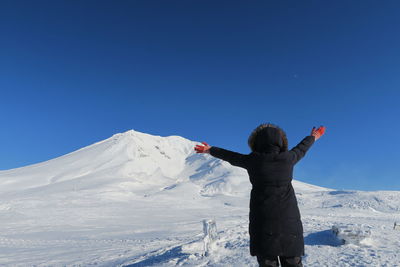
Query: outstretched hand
317, 133
205, 148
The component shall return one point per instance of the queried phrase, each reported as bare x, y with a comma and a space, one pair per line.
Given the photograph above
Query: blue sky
76, 72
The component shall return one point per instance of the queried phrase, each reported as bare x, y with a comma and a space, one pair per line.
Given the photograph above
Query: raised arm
300, 150
234, 158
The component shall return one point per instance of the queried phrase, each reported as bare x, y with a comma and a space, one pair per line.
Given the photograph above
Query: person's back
275, 227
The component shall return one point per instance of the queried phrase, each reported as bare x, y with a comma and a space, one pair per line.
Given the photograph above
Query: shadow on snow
322, 238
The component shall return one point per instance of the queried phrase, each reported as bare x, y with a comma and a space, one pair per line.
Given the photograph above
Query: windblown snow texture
140, 200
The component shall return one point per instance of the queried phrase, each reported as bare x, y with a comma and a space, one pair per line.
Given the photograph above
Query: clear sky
76, 72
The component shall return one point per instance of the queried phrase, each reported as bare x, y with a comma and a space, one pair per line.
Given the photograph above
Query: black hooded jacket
275, 227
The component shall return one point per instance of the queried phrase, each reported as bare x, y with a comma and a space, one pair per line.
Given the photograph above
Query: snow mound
352, 233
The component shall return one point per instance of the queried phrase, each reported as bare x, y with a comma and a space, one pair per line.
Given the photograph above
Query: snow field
139, 200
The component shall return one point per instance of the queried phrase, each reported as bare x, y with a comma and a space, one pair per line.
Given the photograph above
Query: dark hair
252, 141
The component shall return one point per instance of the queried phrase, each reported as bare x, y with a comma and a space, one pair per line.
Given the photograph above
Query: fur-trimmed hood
268, 138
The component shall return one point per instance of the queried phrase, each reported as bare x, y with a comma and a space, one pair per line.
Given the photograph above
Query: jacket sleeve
234, 158
298, 152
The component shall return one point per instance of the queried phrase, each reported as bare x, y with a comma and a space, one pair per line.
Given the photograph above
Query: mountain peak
129, 155
140, 159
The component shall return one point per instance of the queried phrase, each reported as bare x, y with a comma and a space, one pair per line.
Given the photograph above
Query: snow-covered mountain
136, 199
132, 161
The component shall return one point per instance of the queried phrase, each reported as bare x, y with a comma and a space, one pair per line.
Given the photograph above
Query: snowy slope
139, 200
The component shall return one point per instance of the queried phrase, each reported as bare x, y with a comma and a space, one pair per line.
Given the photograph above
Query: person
275, 227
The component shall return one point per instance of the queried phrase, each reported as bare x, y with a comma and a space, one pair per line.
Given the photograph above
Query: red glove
317, 133
205, 148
